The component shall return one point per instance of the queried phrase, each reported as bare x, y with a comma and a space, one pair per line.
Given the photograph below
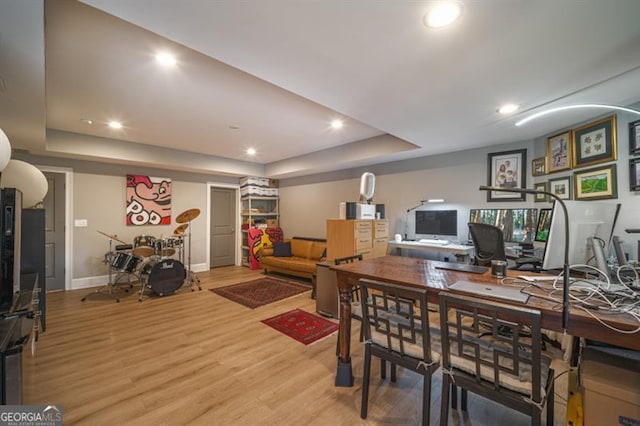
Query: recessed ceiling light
251, 151
508, 108
166, 59
115, 125
86, 121
443, 14
337, 124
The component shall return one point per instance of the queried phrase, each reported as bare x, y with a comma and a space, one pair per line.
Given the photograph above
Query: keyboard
438, 242
512, 294
461, 267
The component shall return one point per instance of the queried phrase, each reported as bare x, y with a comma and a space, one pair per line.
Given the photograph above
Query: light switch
81, 223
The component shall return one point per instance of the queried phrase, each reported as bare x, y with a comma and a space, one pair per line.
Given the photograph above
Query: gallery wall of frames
581, 163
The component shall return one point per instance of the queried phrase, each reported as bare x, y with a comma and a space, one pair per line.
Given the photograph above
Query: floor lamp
406, 222
565, 277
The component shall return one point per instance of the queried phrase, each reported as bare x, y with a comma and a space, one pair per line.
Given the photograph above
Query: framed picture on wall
538, 166
561, 187
540, 198
596, 184
559, 152
507, 169
634, 138
595, 142
148, 200
634, 174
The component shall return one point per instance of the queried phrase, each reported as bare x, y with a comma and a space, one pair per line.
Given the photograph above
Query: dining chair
396, 329
355, 292
356, 310
505, 365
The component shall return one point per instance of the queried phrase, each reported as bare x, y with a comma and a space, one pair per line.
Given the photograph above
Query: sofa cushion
282, 249
301, 248
291, 263
317, 250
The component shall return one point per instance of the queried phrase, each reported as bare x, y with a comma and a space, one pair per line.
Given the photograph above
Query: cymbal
180, 229
188, 215
112, 237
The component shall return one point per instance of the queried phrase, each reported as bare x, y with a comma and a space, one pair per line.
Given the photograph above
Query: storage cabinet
351, 237
380, 237
257, 212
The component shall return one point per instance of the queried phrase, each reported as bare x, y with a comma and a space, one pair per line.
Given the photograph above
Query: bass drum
165, 276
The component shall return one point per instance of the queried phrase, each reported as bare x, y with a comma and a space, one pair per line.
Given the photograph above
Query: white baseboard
88, 282
199, 267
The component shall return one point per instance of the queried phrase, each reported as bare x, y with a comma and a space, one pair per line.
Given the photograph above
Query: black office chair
488, 242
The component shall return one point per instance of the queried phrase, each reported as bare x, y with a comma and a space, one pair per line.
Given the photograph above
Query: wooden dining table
429, 275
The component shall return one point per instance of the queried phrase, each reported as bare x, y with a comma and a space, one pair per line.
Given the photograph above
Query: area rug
302, 326
260, 292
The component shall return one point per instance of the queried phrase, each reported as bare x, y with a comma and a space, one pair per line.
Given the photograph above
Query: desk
461, 252
421, 273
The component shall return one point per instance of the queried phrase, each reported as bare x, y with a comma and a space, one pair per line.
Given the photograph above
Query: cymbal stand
181, 249
191, 276
110, 284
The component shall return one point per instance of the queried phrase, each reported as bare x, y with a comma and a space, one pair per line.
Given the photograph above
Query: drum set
157, 263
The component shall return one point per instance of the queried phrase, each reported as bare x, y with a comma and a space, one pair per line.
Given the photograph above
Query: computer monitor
437, 222
586, 219
544, 223
517, 225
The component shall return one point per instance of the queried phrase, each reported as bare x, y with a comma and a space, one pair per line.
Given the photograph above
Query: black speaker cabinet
33, 254
351, 210
380, 209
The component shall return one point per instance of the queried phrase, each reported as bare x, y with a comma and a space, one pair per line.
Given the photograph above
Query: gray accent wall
306, 203
99, 198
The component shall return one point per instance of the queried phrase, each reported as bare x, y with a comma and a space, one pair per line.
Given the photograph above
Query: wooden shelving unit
257, 211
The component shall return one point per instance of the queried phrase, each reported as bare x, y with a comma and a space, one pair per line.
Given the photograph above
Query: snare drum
144, 245
165, 276
124, 262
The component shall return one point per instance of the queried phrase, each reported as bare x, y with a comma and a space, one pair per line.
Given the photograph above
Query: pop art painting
148, 200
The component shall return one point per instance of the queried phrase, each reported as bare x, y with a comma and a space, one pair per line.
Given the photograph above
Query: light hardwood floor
197, 358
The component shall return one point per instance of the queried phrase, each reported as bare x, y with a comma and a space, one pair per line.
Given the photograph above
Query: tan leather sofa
305, 254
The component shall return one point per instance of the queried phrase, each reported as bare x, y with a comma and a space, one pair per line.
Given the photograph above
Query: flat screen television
543, 226
437, 222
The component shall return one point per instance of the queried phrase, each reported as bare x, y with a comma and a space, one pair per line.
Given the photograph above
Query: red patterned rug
260, 292
302, 326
